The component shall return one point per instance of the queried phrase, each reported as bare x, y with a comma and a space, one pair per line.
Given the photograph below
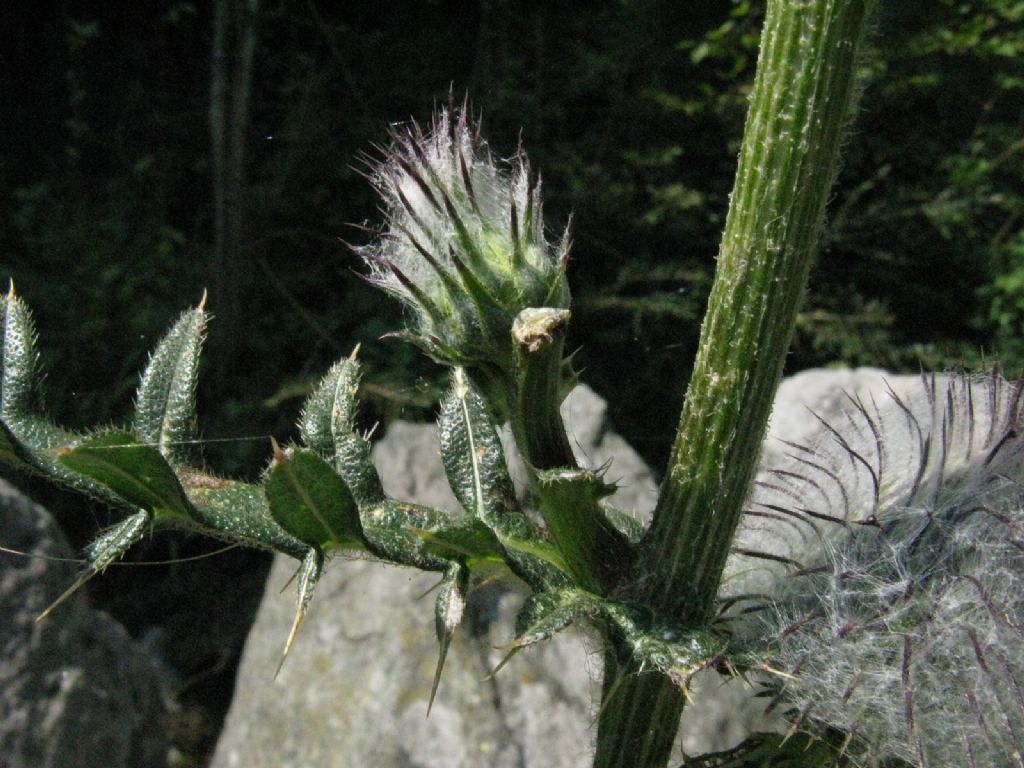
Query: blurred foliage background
632, 111
150, 151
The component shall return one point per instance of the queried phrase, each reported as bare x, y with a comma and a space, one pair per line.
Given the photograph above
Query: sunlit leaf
136, 473
311, 501
165, 402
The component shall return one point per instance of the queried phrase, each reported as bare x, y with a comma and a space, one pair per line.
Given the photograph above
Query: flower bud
464, 245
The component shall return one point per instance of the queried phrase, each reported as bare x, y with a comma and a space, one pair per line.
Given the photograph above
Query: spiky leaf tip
165, 402
18, 359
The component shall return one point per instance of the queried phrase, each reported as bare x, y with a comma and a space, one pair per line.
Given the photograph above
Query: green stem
801, 100
639, 716
597, 554
538, 336
800, 104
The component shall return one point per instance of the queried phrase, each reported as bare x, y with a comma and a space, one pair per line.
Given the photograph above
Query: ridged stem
639, 716
801, 100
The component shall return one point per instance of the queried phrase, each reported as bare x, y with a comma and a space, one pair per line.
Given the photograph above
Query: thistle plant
869, 585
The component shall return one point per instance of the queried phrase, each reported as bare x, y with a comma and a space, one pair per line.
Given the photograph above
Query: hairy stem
802, 96
639, 716
538, 336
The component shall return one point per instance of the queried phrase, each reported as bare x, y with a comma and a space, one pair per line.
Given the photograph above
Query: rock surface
823, 393
354, 690
75, 690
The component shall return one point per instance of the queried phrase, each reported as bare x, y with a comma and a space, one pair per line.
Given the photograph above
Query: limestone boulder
75, 690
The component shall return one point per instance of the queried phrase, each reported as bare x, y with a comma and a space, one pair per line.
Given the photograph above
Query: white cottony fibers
891, 553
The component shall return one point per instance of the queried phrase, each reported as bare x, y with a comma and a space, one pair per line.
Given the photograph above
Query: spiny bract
464, 246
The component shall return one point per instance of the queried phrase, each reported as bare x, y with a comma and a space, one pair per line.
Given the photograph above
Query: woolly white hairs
891, 554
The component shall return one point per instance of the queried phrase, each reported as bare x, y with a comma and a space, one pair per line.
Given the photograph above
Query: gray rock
822, 393
75, 690
354, 691
409, 458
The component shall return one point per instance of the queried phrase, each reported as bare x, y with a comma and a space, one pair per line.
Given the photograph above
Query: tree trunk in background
234, 45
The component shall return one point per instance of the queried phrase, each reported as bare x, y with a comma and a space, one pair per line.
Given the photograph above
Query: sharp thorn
279, 455
442, 655
79, 583
686, 694
502, 663
299, 616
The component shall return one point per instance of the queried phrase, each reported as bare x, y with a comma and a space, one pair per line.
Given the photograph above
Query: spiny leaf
36, 446
27, 431
137, 474
17, 358
465, 540
545, 613
310, 500
308, 576
543, 556
626, 524
331, 407
475, 465
328, 427
26, 434
103, 551
394, 530
165, 402
38, 436
528, 556
450, 606
675, 650
237, 511
355, 465
472, 453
